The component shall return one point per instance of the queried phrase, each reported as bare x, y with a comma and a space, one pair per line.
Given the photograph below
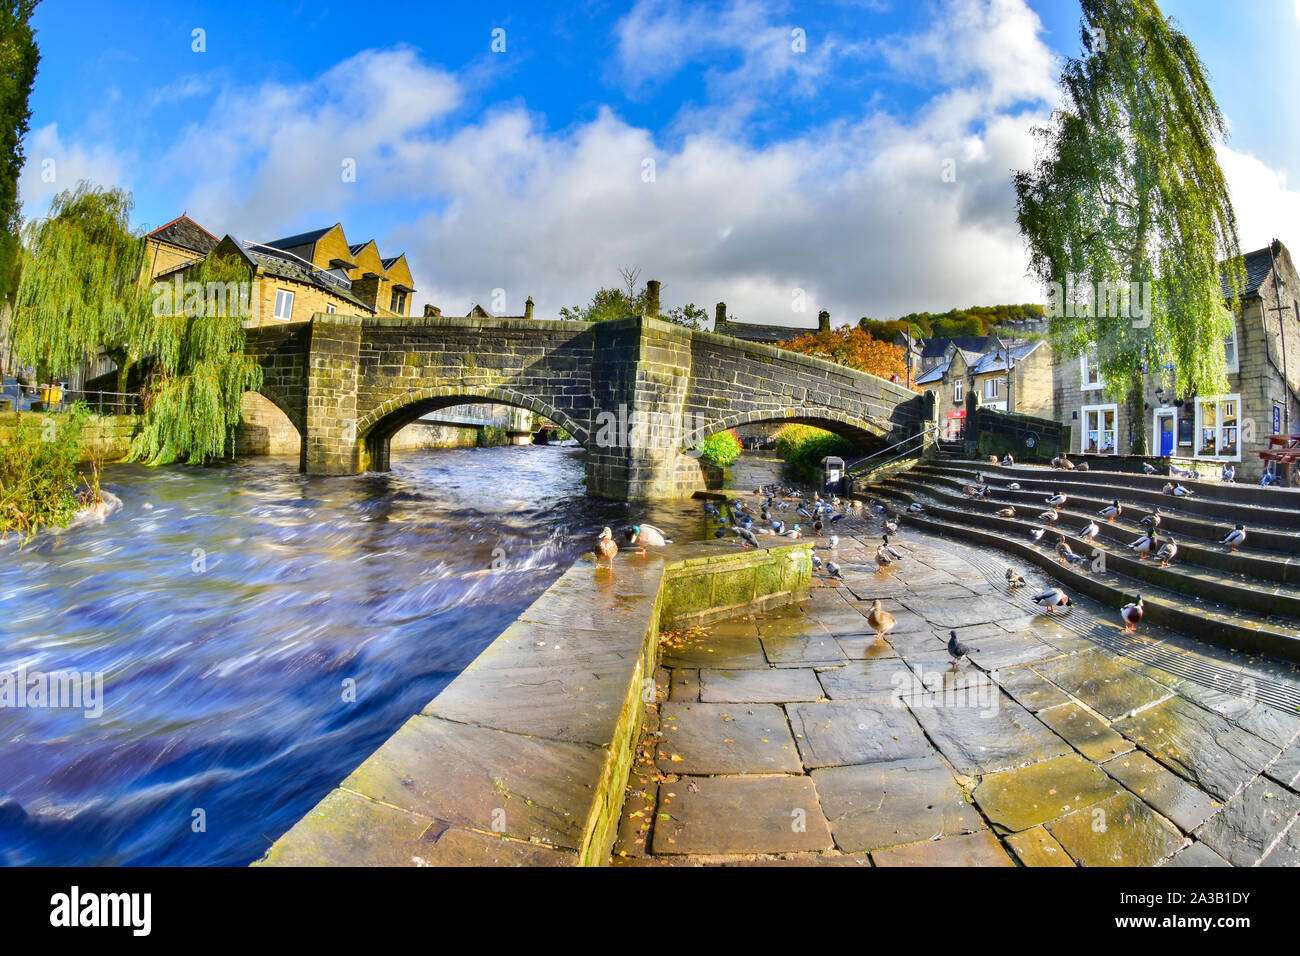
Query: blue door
1166, 435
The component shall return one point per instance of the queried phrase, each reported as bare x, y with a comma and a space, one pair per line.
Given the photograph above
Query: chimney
652, 298
528, 308
431, 310
719, 314
823, 321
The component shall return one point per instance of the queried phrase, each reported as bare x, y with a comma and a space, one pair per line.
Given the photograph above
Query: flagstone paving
797, 738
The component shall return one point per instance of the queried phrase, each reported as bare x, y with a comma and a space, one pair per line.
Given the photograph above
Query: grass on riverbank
38, 474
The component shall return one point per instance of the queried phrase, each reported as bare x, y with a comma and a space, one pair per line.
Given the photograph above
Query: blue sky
776, 170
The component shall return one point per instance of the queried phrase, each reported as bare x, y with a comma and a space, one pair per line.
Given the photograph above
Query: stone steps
1225, 625
1267, 529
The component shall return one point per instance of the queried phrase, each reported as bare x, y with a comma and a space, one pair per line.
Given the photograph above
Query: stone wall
109, 436
524, 757
264, 429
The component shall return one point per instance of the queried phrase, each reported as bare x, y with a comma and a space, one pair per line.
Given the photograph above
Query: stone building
1262, 400
1026, 389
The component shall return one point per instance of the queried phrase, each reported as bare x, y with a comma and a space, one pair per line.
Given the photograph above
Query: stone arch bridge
637, 393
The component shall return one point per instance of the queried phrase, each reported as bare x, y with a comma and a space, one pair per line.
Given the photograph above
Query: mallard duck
1006, 512
1014, 578
1052, 515
645, 535
956, 649
1144, 545
1235, 538
1036, 534
883, 559
1008, 461
1090, 531
915, 508
1178, 491
795, 532
1064, 552
1167, 552
606, 547
1053, 598
1112, 510
1057, 499
891, 526
1131, 615
1014, 486
993, 459
1151, 521
889, 549
1081, 466
970, 491
881, 621
1060, 461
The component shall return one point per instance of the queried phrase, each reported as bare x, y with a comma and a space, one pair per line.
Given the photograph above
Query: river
230, 610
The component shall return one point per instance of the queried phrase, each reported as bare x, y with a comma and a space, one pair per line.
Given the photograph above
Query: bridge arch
375, 430
864, 432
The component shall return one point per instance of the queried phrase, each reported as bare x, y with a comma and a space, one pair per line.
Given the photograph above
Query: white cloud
1266, 207
52, 166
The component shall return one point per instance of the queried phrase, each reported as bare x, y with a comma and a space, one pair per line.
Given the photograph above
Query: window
1217, 427
1098, 435
330, 309
1089, 371
1230, 350
991, 386
399, 302
283, 304
957, 393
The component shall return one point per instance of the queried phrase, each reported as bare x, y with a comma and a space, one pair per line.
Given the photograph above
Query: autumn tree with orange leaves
856, 349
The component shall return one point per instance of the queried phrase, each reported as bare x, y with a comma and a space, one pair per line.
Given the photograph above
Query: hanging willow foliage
200, 372
1128, 192
79, 289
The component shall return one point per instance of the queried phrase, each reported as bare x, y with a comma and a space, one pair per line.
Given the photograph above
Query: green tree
80, 288
198, 369
611, 303
19, 57
1127, 191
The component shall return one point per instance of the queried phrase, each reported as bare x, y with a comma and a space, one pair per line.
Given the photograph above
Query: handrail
848, 470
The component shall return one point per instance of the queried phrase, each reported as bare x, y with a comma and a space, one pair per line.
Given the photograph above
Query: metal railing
921, 436
29, 398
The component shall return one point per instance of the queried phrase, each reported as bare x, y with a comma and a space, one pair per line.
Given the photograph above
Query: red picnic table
1284, 452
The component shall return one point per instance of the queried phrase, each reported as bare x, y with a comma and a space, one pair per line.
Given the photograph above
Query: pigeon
833, 570
835, 541
1178, 491
1235, 537
835, 518
778, 527
881, 621
1229, 473
1053, 598
1068, 556
1269, 478
747, 539
1167, 552
1112, 510
817, 562
1037, 534
1014, 578
1149, 468
1131, 615
720, 533
956, 649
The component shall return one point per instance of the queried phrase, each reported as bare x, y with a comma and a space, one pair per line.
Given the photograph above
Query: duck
1167, 552
1081, 466
645, 535
915, 508
1057, 499
1090, 531
1053, 598
881, 621
1178, 491
1112, 510
1036, 534
1151, 521
1236, 537
956, 649
889, 549
1006, 512
883, 559
1144, 545
891, 526
1014, 578
1068, 556
606, 547
1131, 615
970, 491
993, 459
795, 532
1014, 486
1052, 515
1008, 461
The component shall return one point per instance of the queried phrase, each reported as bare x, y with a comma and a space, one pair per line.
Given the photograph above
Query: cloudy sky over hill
738, 150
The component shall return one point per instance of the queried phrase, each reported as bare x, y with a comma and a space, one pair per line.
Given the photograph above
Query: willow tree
1127, 197
18, 60
198, 369
80, 288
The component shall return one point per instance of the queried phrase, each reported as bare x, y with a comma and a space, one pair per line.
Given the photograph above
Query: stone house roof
751, 332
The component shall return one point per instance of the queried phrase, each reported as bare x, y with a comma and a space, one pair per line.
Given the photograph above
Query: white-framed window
1218, 433
1098, 434
1230, 350
958, 392
330, 309
992, 387
1089, 371
283, 304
